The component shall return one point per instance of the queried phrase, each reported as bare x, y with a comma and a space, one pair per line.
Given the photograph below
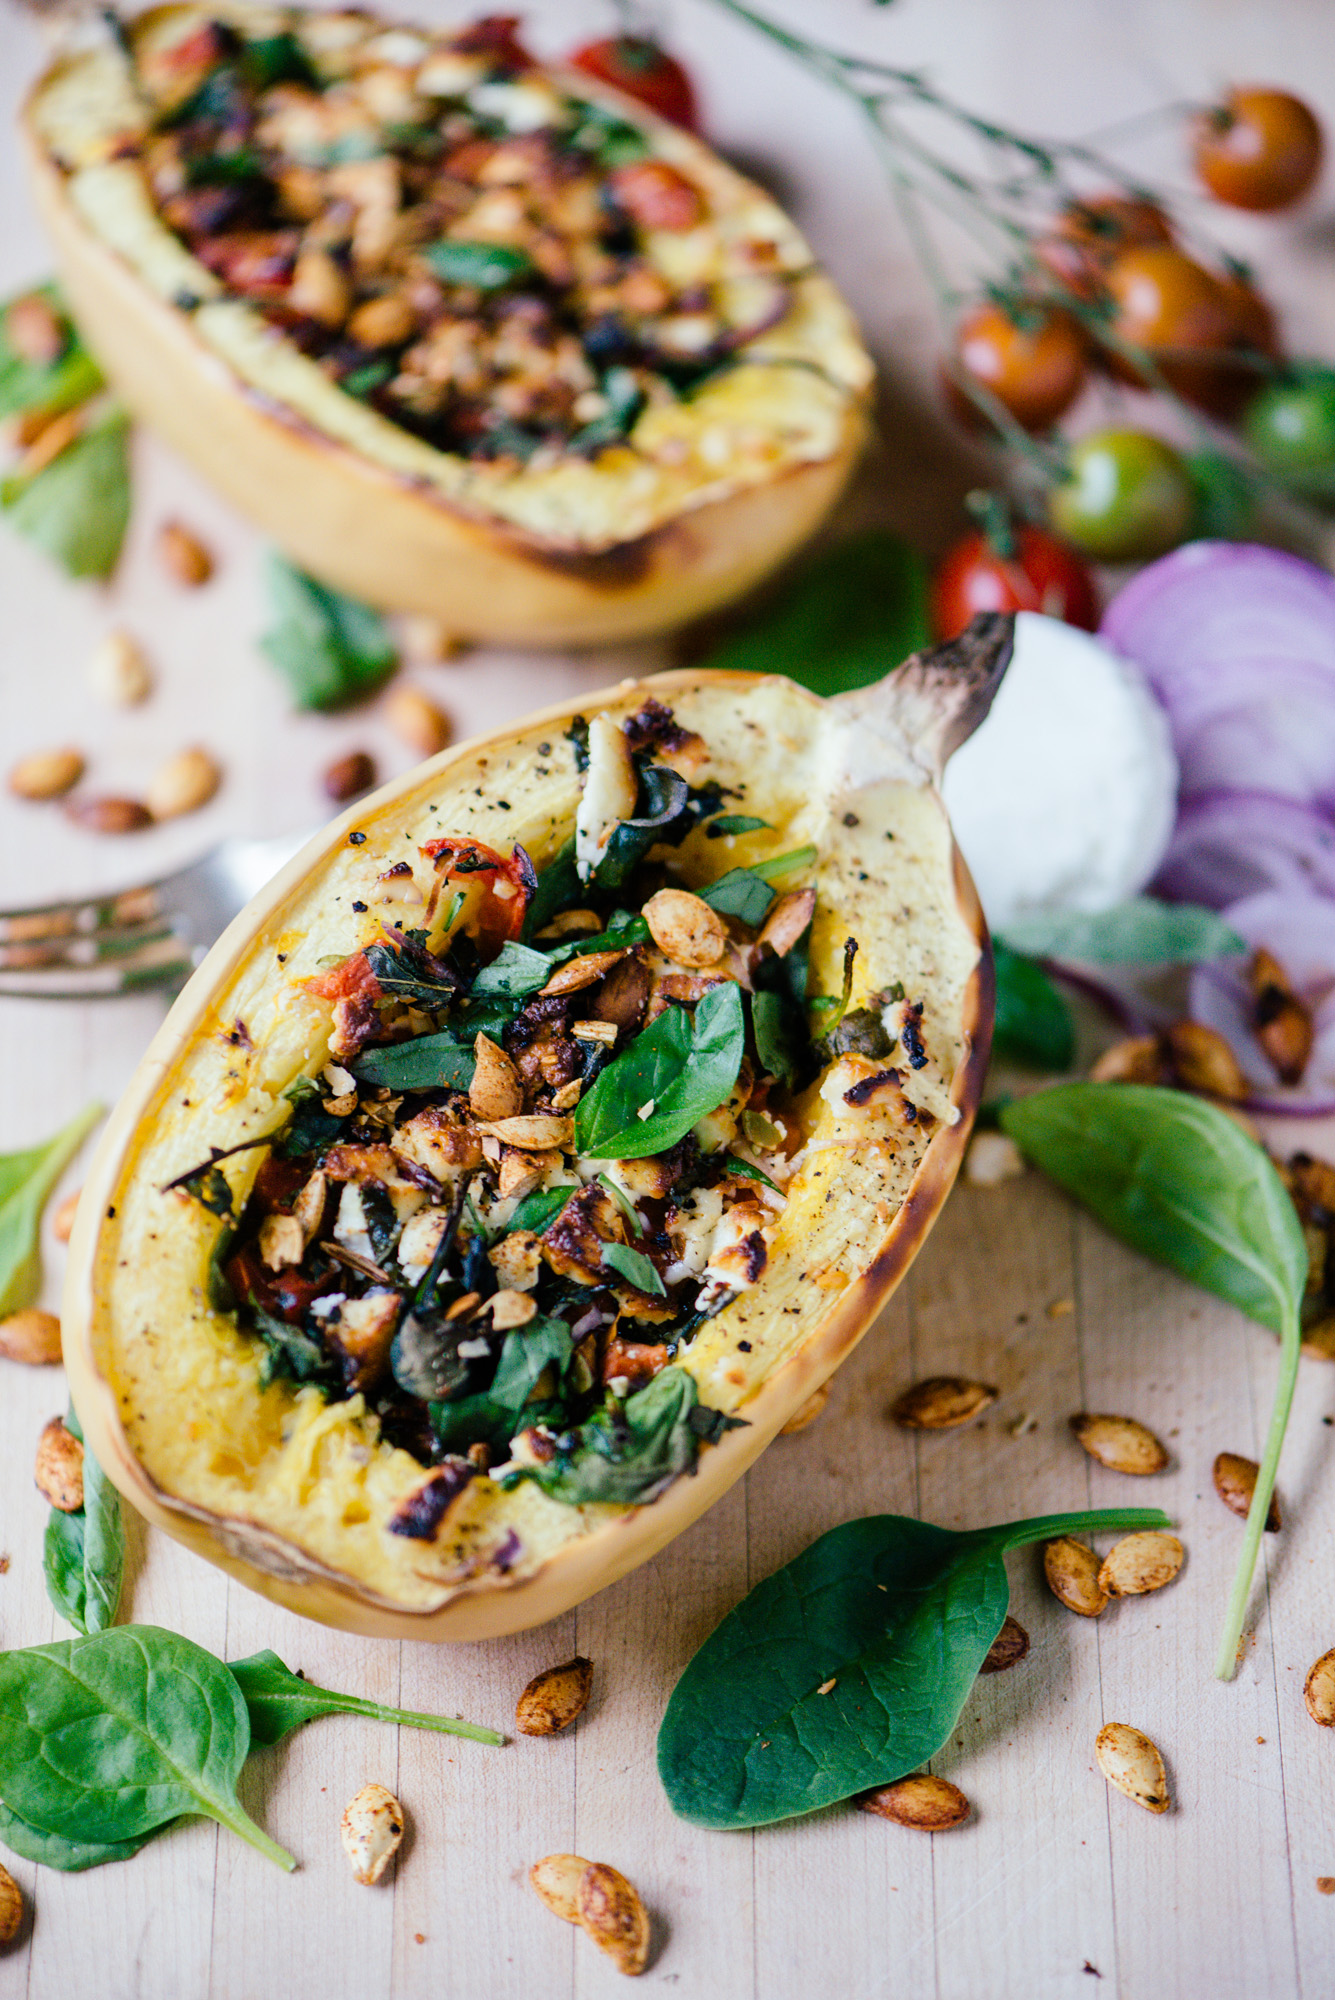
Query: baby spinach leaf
782, 1043
1141, 932
290, 1354
26, 1181
53, 1851
558, 889
104, 1739
741, 893
635, 1268
84, 1553
406, 970
45, 385
626, 1453
516, 970
310, 1127
328, 648
847, 617
1176, 1179
663, 797
431, 1062
280, 1701
495, 1413
1033, 1023
77, 508
669, 1077
486, 265
898, 1614
536, 1210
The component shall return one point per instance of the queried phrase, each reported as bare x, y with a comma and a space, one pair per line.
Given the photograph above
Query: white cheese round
1066, 796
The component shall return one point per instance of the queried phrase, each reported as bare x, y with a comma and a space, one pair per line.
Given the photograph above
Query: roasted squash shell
293, 1495
704, 498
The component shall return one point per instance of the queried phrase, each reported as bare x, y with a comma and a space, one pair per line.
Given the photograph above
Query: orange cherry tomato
1040, 574
1031, 359
639, 67
1089, 234
1259, 149
1165, 302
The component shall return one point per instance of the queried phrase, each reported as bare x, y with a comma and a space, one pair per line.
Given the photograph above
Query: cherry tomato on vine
1259, 149
1186, 321
1291, 428
1128, 496
1089, 234
639, 67
1030, 358
1035, 572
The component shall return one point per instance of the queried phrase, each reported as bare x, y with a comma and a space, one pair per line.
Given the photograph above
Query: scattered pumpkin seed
46, 774
1140, 1563
933, 1805
11, 1907
808, 1413
1131, 1762
1120, 1443
1007, 1649
59, 1467
553, 1699
941, 1402
611, 1912
1319, 1690
371, 1832
1235, 1482
30, 1336
1072, 1571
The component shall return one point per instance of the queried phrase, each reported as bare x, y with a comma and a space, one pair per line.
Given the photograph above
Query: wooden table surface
1057, 1886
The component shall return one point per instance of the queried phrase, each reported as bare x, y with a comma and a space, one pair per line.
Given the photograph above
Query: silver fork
154, 935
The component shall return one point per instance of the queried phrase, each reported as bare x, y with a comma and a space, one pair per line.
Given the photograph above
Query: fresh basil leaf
625, 400
1033, 1023
84, 1553
624, 1203
494, 1414
430, 1062
328, 648
538, 1209
782, 1043
280, 1701
488, 266
363, 382
516, 971
662, 800
26, 1181
626, 1453
290, 1353
105, 1739
1141, 932
280, 58
310, 1127
733, 1165
846, 618
77, 508
735, 823
52, 1851
406, 970
1176, 1179
45, 385
671, 1075
898, 1614
635, 1268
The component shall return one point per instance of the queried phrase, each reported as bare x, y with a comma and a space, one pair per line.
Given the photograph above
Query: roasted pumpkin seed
553, 1699
1131, 1762
941, 1402
1235, 1482
1072, 1571
11, 1908
371, 1832
1319, 1690
1007, 1649
46, 774
556, 1878
1120, 1443
611, 1912
1140, 1563
933, 1805
59, 1467
808, 1413
30, 1336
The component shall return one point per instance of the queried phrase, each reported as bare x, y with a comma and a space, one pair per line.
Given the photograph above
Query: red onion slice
1231, 844
1299, 930
1213, 604
1276, 735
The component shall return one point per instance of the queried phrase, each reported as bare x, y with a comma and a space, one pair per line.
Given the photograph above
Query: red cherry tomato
1043, 574
1032, 361
497, 889
641, 69
1259, 149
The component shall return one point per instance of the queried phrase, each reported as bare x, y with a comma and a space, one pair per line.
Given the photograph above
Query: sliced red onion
1298, 929
1213, 604
1274, 734
1231, 844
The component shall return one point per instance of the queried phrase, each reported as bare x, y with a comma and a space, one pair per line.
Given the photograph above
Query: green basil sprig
1143, 931
280, 1701
898, 1614
83, 1554
1175, 1178
107, 1738
669, 1077
26, 1181
428, 1062
635, 1268
327, 647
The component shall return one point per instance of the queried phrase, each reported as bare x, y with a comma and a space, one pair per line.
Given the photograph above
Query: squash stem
1226, 1661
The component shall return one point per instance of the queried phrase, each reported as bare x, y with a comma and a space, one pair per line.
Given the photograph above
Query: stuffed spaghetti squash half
528, 1154
466, 336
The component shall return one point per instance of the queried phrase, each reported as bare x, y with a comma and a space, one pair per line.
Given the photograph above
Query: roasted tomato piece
284, 1294
347, 981
497, 889
495, 35
656, 195
639, 67
257, 263
276, 1185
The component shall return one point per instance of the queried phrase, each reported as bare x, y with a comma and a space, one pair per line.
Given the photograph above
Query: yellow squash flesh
294, 1496
716, 492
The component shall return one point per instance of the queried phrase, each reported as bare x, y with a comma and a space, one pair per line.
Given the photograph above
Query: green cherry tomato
1128, 497
1291, 428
